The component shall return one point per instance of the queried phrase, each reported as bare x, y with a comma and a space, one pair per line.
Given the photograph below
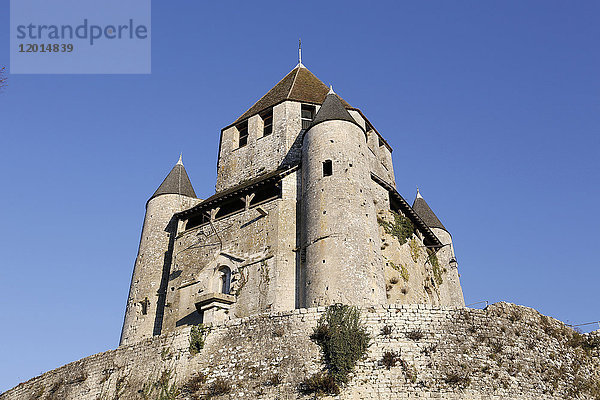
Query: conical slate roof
421, 207
299, 85
177, 182
331, 110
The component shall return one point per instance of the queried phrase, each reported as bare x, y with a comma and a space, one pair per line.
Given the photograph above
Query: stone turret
145, 304
341, 260
451, 291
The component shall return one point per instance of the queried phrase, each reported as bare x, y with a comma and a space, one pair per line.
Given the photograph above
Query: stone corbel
248, 200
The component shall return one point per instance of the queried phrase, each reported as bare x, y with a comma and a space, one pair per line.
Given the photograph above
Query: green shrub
409, 371
554, 328
386, 330
428, 350
390, 358
279, 331
415, 334
54, 393
274, 380
197, 337
38, 392
593, 342
321, 383
195, 383
515, 316
162, 389
165, 354
587, 343
496, 346
458, 377
120, 386
343, 339
219, 387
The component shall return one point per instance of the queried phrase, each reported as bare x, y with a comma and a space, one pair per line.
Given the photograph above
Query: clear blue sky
492, 109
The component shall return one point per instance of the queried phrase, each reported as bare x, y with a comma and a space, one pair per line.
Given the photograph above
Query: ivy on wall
402, 228
415, 249
402, 269
438, 271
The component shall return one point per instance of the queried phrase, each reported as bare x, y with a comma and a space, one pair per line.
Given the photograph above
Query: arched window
224, 280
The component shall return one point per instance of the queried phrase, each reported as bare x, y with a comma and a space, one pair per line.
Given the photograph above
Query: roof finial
300, 52
419, 194
331, 90
180, 162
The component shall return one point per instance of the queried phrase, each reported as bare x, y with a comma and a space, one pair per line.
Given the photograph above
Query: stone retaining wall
503, 352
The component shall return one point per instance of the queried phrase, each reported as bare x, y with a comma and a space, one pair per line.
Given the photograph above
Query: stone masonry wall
262, 154
502, 352
412, 274
258, 249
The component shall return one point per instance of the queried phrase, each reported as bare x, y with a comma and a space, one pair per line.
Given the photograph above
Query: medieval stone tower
305, 214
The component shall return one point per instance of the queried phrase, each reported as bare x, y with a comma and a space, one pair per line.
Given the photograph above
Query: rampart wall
503, 352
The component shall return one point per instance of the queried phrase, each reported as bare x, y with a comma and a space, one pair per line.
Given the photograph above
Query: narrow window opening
308, 114
327, 168
145, 304
267, 118
224, 281
243, 131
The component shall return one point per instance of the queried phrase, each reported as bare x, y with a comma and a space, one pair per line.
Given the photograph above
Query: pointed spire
331, 90
332, 110
300, 53
177, 182
421, 207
